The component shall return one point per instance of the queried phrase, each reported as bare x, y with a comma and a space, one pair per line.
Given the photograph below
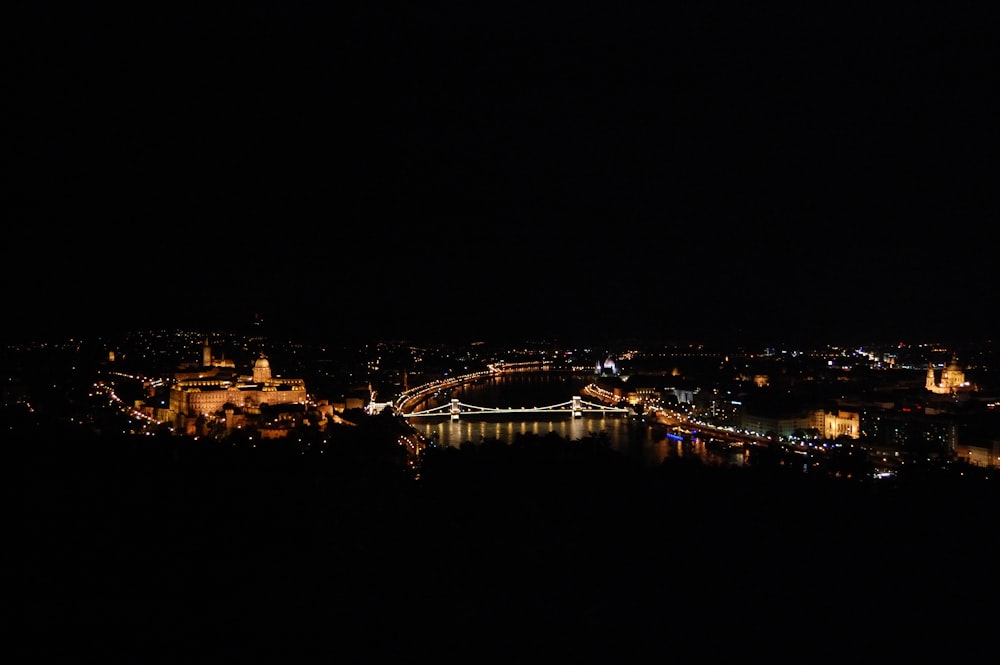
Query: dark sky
422, 170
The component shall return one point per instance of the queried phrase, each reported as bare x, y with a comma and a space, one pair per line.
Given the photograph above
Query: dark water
626, 434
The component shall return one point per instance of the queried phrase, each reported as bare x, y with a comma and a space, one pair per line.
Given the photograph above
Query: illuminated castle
217, 387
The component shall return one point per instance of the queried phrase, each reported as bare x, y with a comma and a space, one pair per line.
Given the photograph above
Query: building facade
217, 388
951, 379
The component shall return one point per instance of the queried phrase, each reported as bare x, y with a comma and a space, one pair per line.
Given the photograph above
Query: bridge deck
457, 408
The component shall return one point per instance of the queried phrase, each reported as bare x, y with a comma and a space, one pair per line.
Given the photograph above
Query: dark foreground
150, 549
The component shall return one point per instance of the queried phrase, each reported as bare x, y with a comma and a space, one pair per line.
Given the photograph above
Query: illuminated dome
262, 370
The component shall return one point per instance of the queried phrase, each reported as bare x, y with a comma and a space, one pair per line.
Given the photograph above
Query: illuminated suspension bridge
576, 406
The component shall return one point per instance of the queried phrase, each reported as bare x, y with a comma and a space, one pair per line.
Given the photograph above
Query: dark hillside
186, 533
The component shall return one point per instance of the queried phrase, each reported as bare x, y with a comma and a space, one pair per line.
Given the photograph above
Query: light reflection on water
624, 434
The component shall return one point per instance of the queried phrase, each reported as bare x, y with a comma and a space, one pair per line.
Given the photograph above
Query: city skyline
301, 502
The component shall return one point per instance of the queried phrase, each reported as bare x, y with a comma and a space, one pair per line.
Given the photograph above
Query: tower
930, 383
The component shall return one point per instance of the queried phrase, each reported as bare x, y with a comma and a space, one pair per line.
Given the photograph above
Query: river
626, 434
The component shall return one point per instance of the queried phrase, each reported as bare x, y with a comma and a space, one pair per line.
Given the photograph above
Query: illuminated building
216, 388
951, 379
841, 423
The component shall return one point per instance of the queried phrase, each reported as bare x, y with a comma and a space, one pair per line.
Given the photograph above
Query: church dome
262, 363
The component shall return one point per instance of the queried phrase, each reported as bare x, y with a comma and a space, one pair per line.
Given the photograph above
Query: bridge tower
577, 406
454, 409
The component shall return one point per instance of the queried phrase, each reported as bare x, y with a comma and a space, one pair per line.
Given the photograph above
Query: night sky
564, 170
